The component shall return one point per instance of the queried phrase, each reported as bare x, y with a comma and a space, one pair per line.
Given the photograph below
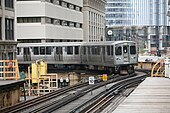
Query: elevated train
115, 55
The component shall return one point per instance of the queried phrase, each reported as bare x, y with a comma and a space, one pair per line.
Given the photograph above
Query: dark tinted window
108, 50
42, 50
84, 50
9, 3
9, 29
76, 50
59, 50
48, 50
112, 50
18, 50
132, 50
69, 50
118, 51
36, 52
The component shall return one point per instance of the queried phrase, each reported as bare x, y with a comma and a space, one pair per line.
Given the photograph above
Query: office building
7, 31
94, 20
150, 15
49, 21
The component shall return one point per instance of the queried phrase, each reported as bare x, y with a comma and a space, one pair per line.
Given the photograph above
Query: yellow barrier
158, 63
9, 69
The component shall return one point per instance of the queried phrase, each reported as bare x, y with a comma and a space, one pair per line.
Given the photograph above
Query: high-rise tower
150, 14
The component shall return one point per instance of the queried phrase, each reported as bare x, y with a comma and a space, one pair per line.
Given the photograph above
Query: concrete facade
10, 92
94, 20
7, 30
50, 21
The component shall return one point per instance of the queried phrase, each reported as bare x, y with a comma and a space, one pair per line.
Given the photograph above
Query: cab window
118, 51
132, 50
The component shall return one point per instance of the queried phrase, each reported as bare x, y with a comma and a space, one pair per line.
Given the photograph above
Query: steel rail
29, 103
115, 88
59, 103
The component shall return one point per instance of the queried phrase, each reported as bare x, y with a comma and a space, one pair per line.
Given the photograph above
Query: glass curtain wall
136, 13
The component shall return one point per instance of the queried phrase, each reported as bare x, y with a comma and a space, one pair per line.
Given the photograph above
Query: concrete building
49, 21
150, 14
10, 92
94, 20
7, 31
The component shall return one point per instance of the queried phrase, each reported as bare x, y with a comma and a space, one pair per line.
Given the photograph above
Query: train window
76, 50
93, 50
26, 51
84, 50
112, 50
59, 50
108, 50
42, 50
118, 50
48, 50
89, 50
36, 51
98, 50
132, 50
125, 49
18, 50
69, 50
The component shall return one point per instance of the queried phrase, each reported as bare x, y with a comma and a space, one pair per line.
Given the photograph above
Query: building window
56, 2
71, 6
56, 22
9, 3
9, 29
64, 23
28, 19
64, 4
71, 24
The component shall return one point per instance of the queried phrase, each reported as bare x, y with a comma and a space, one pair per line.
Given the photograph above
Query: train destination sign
91, 80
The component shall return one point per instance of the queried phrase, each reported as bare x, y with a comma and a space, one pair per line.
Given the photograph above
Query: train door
59, 54
26, 54
103, 53
126, 53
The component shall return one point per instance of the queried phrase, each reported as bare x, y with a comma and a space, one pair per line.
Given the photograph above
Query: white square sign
91, 80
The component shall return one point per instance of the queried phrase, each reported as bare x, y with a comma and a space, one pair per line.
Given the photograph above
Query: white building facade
94, 20
49, 21
150, 14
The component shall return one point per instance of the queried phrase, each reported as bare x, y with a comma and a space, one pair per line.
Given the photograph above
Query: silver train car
117, 55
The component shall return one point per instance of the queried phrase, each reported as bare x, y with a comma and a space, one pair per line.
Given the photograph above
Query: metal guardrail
158, 69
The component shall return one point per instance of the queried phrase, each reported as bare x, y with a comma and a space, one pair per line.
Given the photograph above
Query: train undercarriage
54, 68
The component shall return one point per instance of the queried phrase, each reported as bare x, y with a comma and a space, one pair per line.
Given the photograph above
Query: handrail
157, 72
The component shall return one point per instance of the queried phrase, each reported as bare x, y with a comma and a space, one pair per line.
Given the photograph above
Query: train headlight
118, 58
133, 57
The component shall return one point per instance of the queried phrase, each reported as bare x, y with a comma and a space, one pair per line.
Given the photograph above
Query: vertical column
3, 19
149, 39
160, 37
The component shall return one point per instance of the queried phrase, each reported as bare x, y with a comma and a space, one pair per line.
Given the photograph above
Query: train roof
71, 43
107, 43
50, 44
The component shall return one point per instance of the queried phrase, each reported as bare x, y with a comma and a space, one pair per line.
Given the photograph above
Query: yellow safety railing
160, 71
9, 69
